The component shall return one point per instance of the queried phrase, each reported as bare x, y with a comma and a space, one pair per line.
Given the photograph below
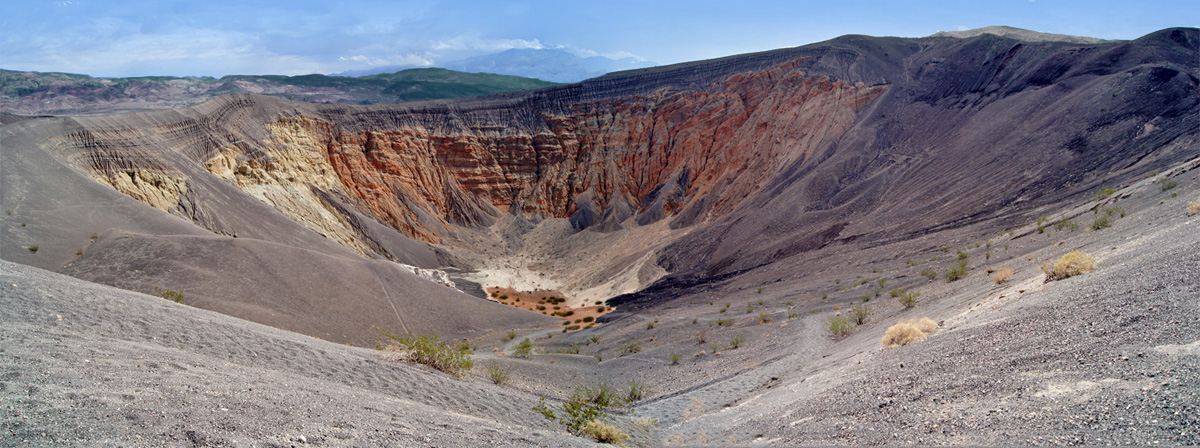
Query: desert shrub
495, 373
903, 333
736, 341
570, 328
587, 319
525, 347
603, 433
764, 318
749, 308
792, 313
600, 309
630, 346
726, 307
169, 294
504, 297
1105, 217
568, 350
650, 325
860, 312
1105, 192
1168, 184
646, 424
896, 292
930, 274
586, 403
959, 270
595, 339
909, 331
909, 299
724, 322
1002, 275
1066, 224
1071, 264
926, 324
674, 358
635, 390
430, 351
840, 326
33, 248
1194, 207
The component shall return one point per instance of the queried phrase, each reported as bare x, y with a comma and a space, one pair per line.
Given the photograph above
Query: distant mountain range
32, 93
550, 65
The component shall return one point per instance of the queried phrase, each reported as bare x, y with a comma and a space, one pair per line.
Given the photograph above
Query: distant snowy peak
547, 65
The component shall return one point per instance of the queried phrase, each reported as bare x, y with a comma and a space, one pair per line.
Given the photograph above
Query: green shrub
736, 341
169, 294
587, 319
959, 270
33, 249
1066, 224
674, 358
724, 322
495, 373
508, 337
860, 313
635, 390
1104, 193
630, 346
930, 274
909, 299
525, 348
431, 351
1168, 184
840, 326
584, 405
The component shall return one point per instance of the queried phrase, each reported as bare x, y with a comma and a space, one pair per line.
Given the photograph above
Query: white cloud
404, 59
475, 43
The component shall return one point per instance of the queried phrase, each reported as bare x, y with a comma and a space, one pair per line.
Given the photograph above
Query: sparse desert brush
909, 299
901, 334
1002, 275
927, 325
525, 348
840, 326
908, 332
1071, 264
428, 350
630, 346
1194, 207
604, 433
495, 373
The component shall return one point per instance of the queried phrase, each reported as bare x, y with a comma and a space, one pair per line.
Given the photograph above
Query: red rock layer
724, 140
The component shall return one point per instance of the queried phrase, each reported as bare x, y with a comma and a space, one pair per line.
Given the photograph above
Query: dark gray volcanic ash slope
857, 141
771, 191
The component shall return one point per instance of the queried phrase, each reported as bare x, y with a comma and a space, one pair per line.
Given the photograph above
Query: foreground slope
86, 364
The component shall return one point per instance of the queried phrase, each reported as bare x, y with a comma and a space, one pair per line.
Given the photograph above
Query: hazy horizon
217, 38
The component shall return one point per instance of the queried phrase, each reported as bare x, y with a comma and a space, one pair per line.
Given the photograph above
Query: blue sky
220, 37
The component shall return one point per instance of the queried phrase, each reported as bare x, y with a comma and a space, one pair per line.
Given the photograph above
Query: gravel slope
87, 365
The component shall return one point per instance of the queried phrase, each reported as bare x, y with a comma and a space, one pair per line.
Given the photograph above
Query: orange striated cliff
655, 154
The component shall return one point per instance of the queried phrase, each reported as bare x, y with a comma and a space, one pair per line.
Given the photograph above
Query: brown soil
539, 301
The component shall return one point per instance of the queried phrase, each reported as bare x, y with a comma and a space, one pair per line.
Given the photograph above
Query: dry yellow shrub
1194, 207
908, 332
902, 333
925, 324
1002, 275
604, 433
1071, 264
